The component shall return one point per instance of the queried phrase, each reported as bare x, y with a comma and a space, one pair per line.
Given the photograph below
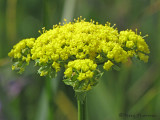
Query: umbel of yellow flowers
79, 47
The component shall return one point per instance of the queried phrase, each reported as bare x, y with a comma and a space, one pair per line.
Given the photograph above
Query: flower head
81, 74
79, 46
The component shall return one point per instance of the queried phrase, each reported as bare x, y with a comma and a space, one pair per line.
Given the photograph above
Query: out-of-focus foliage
135, 89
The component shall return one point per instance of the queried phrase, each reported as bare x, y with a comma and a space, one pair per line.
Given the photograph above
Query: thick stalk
81, 109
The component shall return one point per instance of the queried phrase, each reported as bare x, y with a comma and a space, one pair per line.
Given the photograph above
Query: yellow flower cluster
84, 67
81, 46
113, 51
78, 40
22, 50
81, 72
134, 44
21, 54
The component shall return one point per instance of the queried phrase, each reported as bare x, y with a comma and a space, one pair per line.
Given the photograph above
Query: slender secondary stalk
81, 109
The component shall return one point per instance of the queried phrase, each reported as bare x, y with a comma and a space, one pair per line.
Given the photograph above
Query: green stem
50, 96
81, 109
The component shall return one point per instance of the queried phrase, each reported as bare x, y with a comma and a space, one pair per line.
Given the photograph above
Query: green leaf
116, 67
20, 66
51, 72
74, 78
37, 62
68, 82
43, 68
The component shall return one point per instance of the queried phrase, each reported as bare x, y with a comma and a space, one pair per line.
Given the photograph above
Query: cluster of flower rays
79, 47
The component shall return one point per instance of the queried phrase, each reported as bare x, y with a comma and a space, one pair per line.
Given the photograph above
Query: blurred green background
133, 90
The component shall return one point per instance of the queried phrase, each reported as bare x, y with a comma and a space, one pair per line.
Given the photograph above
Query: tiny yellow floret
143, 57
108, 65
129, 44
